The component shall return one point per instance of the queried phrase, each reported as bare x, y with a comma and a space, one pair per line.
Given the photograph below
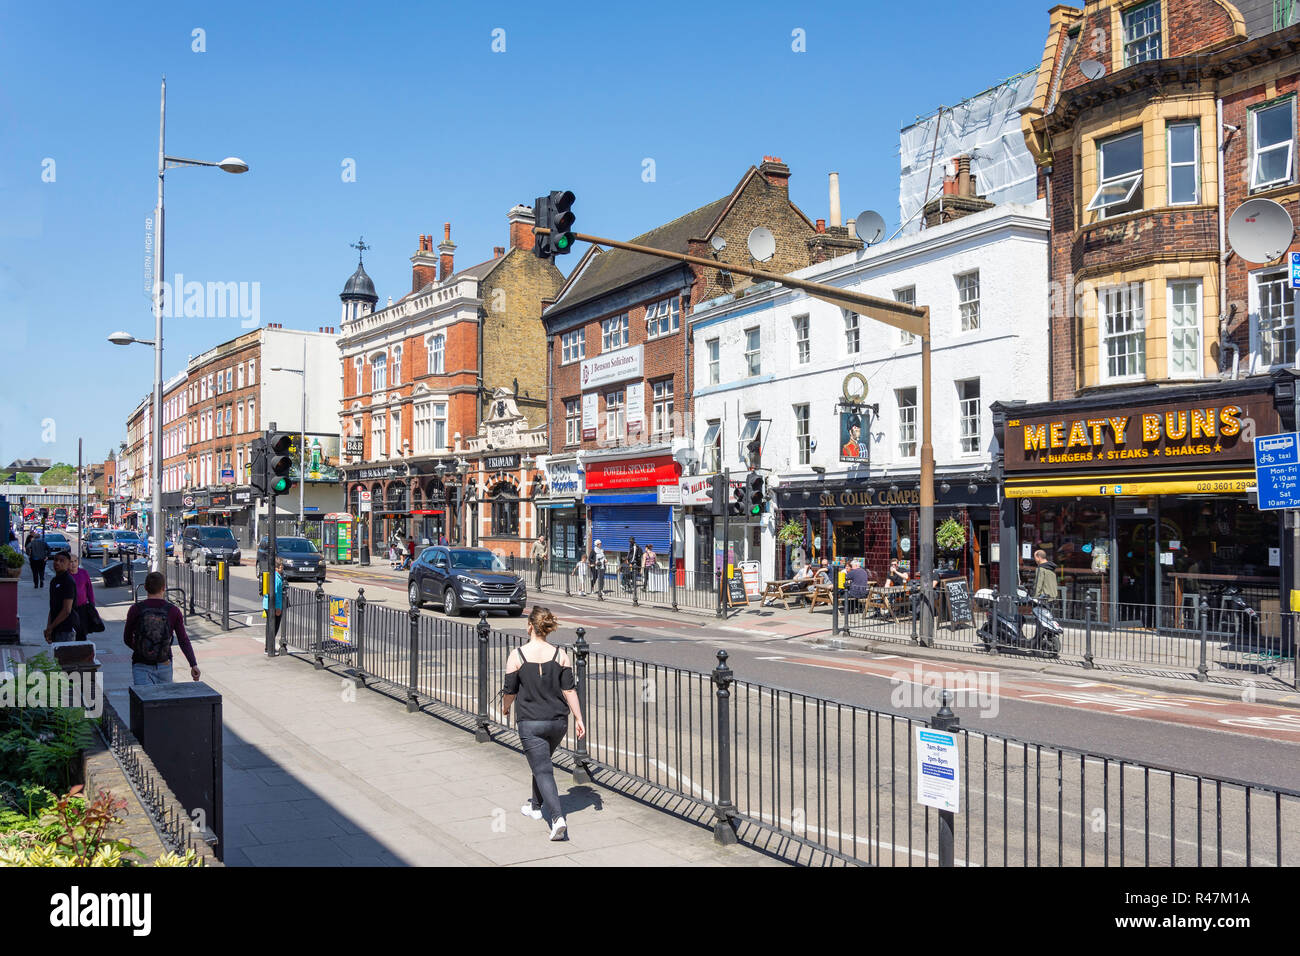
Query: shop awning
622, 498
1228, 481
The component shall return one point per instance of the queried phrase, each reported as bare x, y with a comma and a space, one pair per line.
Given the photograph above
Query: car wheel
516, 611
450, 603
412, 594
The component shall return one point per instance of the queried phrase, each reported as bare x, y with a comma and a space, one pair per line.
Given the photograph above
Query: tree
60, 473
22, 478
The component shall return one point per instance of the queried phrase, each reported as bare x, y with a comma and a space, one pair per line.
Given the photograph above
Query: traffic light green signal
279, 446
754, 485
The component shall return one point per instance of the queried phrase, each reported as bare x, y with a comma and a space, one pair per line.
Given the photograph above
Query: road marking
1289, 722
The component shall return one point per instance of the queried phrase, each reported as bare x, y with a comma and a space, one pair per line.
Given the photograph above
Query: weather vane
360, 246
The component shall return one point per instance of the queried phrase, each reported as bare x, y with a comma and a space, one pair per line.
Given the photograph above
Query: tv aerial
1260, 230
1093, 69
869, 226
762, 244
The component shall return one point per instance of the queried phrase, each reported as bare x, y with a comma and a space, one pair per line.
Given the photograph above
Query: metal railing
780, 768
207, 588
660, 587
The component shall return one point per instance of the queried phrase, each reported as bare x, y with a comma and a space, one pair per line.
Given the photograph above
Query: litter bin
114, 574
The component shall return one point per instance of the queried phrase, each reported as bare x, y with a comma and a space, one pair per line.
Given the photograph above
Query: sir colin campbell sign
1147, 436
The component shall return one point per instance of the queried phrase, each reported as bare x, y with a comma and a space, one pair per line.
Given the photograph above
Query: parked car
56, 541
94, 544
209, 544
301, 558
465, 579
125, 542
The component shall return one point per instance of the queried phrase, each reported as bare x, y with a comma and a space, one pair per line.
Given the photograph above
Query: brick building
620, 355
418, 379
1152, 125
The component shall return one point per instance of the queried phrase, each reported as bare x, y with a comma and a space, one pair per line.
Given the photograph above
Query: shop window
1184, 164
1273, 318
1119, 173
712, 457
968, 414
1142, 33
802, 345
906, 398
1272, 144
505, 511
1184, 312
1123, 332
906, 296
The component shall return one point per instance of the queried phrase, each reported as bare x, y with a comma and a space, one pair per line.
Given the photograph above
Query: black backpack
153, 636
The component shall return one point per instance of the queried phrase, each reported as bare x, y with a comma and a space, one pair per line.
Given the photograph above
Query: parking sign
1277, 471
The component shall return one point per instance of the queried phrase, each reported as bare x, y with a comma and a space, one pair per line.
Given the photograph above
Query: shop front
561, 514
624, 500
1143, 499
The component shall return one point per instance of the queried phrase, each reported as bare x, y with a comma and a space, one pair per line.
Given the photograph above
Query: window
747, 434
1142, 33
802, 346
252, 376
230, 378
1184, 163
613, 333
573, 346
852, 333
572, 421
360, 364
1272, 138
1124, 333
379, 371
711, 347
802, 440
239, 376
1275, 318
397, 366
239, 464
663, 406
713, 447
968, 412
220, 381
663, 318
615, 416
505, 511
219, 417
439, 426
229, 413
906, 296
378, 429
968, 300
422, 427
1119, 174
437, 346
1184, 311
252, 415
239, 418
906, 399
754, 351
396, 445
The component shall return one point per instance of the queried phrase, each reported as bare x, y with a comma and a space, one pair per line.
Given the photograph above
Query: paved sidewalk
317, 774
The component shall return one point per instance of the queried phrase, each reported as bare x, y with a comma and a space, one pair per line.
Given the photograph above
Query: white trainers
528, 811
558, 829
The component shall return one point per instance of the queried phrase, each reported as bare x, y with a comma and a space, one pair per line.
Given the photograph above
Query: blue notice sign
1295, 270
1277, 471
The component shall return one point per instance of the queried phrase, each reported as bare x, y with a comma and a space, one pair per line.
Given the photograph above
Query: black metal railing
659, 587
205, 590
836, 779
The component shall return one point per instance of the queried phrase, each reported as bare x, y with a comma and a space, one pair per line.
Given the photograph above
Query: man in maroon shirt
150, 626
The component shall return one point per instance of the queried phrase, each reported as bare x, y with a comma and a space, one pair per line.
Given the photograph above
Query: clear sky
441, 128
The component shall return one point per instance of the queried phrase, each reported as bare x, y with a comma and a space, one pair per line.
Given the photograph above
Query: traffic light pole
726, 541
270, 550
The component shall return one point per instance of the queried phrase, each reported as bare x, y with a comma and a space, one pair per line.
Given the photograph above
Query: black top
62, 588
539, 688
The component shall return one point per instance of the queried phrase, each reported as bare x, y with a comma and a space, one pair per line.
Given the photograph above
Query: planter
9, 610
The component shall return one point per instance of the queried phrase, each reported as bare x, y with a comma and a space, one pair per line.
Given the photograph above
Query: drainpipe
1068, 308
1223, 252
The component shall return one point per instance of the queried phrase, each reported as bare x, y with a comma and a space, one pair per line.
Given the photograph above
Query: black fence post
568, 581
412, 701
581, 768
192, 582
1203, 668
481, 732
672, 573
724, 823
284, 615
835, 600
636, 581
225, 595
320, 627
1087, 635
359, 675
208, 572
948, 722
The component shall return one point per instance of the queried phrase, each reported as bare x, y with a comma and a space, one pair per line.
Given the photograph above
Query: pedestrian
598, 568
1045, 584
277, 587
648, 562
151, 626
61, 624
37, 553
540, 675
897, 576
538, 554
582, 570
84, 610
634, 555
442, 540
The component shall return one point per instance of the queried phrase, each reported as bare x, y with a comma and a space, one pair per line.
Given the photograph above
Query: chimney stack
835, 200
775, 172
521, 222
446, 263
424, 265
965, 188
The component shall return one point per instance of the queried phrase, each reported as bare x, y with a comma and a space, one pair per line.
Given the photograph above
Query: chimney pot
835, 200
498, 252
446, 232
965, 188
821, 225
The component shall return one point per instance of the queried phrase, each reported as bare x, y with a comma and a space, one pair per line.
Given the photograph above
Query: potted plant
791, 533
11, 562
950, 536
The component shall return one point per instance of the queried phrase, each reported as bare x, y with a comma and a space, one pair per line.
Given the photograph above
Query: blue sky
441, 129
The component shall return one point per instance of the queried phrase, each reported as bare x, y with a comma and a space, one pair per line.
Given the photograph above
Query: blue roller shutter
649, 524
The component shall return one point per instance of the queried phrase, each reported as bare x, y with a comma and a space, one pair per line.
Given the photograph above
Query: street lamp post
230, 164
302, 436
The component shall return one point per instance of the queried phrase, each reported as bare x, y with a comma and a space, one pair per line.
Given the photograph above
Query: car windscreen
476, 561
295, 545
55, 537
217, 534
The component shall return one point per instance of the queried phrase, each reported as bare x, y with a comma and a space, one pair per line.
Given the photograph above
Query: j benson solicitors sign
612, 367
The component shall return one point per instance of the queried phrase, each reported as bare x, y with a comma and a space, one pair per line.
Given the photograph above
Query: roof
479, 272
360, 285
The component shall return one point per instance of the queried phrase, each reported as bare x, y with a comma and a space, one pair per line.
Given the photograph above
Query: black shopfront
419, 501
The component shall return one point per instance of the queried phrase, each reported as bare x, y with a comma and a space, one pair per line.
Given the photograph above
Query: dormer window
1142, 33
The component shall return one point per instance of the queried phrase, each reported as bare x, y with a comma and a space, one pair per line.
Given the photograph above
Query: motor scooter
1046, 638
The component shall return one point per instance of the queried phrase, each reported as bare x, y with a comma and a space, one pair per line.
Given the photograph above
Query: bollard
724, 823
1203, 668
948, 722
359, 635
1087, 635
412, 701
581, 758
481, 732
224, 575
320, 627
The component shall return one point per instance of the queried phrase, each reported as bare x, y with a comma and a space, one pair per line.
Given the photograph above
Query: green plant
175, 859
791, 533
10, 557
39, 745
950, 536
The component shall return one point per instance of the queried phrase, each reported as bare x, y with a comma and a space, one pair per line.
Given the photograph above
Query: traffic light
553, 213
754, 451
756, 492
257, 466
738, 501
717, 496
279, 461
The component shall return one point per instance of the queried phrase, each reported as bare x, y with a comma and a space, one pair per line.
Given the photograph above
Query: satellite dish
762, 244
718, 243
1093, 69
1260, 230
870, 227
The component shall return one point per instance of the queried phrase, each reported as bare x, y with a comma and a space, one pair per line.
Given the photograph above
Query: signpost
1277, 469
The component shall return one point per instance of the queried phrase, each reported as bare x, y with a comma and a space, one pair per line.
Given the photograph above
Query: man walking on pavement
1045, 583
634, 558
597, 562
538, 554
61, 625
150, 628
37, 552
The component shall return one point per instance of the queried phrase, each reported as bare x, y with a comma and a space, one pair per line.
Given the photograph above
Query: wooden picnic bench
783, 591
819, 595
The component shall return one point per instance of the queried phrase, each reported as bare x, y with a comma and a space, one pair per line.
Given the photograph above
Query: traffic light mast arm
912, 319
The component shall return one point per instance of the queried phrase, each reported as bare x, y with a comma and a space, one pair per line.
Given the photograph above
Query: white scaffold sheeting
986, 126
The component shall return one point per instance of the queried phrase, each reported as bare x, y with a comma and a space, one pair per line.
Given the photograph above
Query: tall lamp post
230, 164
302, 435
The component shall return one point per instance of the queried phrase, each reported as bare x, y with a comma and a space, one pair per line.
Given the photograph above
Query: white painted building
774, 363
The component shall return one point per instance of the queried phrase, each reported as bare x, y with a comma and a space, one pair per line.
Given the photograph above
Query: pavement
318, 773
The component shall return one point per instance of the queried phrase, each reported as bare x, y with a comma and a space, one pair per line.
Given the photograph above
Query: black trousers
539, 739
38, 572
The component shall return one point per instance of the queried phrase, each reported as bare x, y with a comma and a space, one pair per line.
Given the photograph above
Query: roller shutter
649, 524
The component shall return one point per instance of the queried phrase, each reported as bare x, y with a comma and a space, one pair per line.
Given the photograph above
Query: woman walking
84, 606
541, 677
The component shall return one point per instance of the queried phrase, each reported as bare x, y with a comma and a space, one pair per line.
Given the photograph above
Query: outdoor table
783, 591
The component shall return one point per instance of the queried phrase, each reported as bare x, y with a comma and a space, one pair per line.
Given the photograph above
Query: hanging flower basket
950, 536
